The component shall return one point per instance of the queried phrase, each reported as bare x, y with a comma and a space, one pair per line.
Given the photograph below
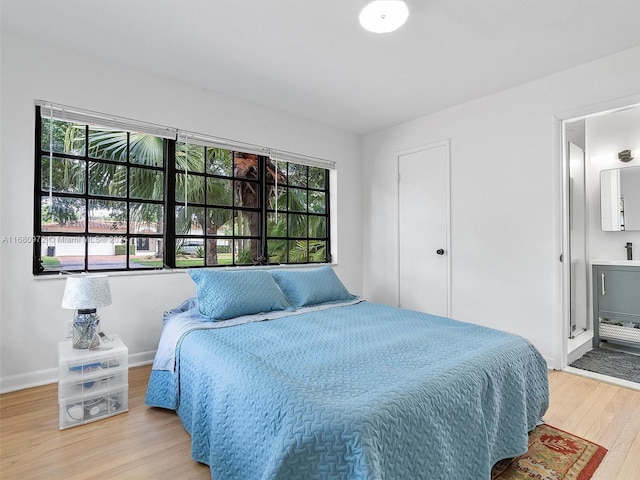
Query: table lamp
85, 293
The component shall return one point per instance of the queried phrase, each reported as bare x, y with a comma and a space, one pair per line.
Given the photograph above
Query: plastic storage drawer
78, 365
87, 408
99, 383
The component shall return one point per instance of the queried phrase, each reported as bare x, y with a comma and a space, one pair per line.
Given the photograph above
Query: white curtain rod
67, 113
224, 143
282, 156
273, 154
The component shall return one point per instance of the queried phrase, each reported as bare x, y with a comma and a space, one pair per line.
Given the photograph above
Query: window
297, 213
115, 198
99, 198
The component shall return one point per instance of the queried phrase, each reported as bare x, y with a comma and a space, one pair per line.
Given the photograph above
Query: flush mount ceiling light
383, 16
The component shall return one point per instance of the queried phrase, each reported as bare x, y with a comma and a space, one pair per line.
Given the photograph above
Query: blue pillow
304, 288
224, 294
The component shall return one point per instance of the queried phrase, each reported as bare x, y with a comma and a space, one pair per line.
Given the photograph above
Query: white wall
32, 322
606, 136
506, 198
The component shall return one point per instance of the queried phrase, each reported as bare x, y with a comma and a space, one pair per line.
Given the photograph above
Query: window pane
67, 137
108, 252
277, 224
277, 198
146, 150
107, 179
277, 251
146, 218
297, 200
189, 158
297, 226
218, 221
276, 169
189, 221
191, 186
189, 252
245, 165
298, 251
147, 253
317, 227
219, 162
146, 184
62, 253
317, 178
70, 252
247, 223
108, 144
218, 252
66, 175
297, 175
247, 194
245, 251
318, 251
219, 191
62, 214
107, 217
317, 202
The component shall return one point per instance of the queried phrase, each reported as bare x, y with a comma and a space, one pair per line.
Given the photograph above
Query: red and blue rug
553, 455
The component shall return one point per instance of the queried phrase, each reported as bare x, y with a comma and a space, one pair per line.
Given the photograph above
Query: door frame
446, 143
603, 108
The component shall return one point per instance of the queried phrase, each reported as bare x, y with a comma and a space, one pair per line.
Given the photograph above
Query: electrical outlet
69, 329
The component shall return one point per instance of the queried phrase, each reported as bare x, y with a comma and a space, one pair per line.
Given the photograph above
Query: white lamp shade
85, 292
383, 16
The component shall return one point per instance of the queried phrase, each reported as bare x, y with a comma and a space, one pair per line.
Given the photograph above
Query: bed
285, 375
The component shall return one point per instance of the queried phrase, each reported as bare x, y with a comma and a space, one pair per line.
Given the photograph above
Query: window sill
171, 271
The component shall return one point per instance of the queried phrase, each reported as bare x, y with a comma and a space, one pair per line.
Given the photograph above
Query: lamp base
84, 328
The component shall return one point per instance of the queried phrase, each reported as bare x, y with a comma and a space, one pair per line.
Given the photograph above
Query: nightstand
92, 384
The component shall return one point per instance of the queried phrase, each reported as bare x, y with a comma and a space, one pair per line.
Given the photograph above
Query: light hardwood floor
150, 443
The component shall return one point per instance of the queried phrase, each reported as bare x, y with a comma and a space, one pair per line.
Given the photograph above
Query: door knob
440, 251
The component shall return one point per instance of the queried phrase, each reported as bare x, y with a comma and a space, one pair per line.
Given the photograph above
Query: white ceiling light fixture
384, 16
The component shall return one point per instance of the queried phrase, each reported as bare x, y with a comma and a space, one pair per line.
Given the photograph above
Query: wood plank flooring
150, 443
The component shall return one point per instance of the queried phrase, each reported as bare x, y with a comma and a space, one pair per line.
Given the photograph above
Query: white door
423, 229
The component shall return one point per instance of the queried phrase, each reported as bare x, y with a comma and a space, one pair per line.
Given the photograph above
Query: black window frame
169, 237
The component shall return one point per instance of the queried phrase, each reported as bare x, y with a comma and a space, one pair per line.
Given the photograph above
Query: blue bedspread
355, 392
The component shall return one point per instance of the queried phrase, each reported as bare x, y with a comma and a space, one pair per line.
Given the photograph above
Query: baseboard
22, 381
28, 380
552, 363
142, 358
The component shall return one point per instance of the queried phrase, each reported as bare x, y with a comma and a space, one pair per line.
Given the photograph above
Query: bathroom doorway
591, 144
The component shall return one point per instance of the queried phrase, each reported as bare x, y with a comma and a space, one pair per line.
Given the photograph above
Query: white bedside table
92, 384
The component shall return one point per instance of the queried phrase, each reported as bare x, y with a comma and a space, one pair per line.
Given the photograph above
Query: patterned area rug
553, 455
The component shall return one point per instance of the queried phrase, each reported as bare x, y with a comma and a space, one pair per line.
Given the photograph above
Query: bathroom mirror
620, 199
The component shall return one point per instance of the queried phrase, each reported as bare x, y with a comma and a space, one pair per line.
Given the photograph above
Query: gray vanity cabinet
616, 304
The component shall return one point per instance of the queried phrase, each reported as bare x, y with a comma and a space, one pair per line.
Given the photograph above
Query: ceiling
311, 58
